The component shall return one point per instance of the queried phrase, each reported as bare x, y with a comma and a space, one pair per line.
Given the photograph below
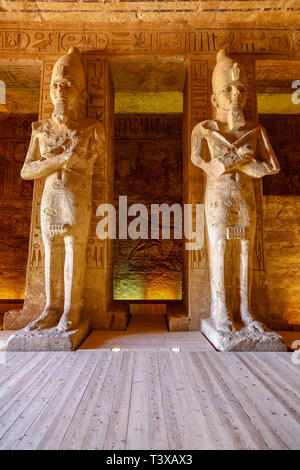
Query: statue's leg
247, 316
53, 284
75, 264
220, 313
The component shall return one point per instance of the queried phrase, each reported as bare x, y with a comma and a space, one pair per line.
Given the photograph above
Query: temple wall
281, 222
148, 169
15, 204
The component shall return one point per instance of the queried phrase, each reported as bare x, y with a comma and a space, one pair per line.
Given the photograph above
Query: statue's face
64, 90
230, 96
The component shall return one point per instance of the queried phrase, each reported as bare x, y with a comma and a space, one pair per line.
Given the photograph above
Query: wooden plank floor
147, 332
136, 399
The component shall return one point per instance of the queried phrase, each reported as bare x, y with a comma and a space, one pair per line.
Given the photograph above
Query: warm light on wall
277, 103
130, 290
172, 102
163, 288
149, 102
12, 294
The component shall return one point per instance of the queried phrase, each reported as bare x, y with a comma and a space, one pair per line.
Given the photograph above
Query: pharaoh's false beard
235, 118
62, 114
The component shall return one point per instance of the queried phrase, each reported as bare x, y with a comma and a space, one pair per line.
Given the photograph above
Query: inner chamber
148, 170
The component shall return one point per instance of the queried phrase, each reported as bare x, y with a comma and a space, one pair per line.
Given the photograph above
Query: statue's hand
233, 158
245, 154
54, 151
74, 162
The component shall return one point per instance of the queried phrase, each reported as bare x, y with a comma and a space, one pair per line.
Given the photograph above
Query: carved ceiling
160, 11
22, 83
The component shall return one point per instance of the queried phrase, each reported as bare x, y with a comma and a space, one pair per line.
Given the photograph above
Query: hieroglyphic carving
30, 41
96, 79
94, 252
95, 70
36, 246
250, 109
130, 42
199, 91
240, 41
263, 42
46, 105
210, 41
37, 254
200, 259
143, 41
84, 41
137, 125
258, 253
170, 42
15, 40
45, 42
250, 41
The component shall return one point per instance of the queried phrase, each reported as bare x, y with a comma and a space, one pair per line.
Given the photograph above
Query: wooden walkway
134, 399
147, 332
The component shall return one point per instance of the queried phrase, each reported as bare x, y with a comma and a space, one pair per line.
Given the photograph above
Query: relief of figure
63, 149
231, 152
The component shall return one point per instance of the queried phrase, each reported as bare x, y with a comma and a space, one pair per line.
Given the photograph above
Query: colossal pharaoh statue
63, 149
231, 152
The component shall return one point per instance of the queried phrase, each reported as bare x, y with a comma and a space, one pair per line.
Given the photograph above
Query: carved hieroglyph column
98, 278
196, 269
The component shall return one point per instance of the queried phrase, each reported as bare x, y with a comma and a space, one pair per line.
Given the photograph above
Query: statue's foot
48, 319
250, 322
257, 326
68, 323
225, 326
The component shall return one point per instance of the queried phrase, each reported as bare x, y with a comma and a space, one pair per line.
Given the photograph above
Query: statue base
49, 339
244, 339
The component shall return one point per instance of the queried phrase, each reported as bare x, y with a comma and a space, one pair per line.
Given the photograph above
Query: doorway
148, 170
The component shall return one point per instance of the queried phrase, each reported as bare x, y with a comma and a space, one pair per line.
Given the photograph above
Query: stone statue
63, 149
232, 151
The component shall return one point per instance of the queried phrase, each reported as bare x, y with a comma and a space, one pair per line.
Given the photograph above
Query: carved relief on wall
240, 41
15, 204
189, 41
199, 91
199, 103
284, 131
148, 169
